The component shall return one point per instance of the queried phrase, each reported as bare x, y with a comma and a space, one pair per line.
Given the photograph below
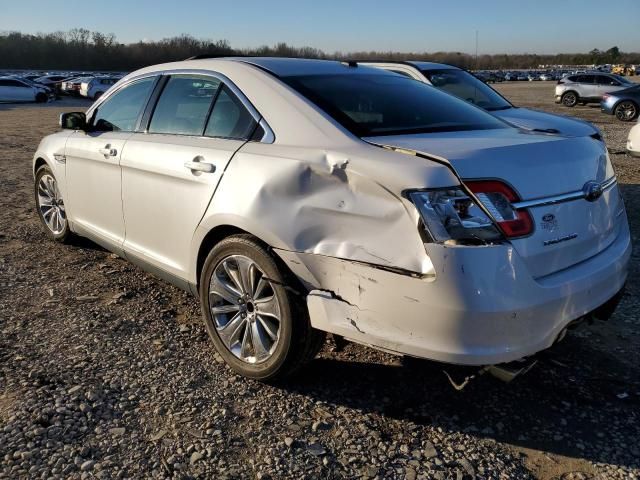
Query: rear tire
626, 111
569, 99
41, 97
257, 323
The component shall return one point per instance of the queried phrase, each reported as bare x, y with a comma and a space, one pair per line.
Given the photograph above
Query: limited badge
549, 222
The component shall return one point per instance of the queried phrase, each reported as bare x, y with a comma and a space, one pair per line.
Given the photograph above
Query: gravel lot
107, 372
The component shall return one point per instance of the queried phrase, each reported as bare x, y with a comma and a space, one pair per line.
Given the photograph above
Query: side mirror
73, 121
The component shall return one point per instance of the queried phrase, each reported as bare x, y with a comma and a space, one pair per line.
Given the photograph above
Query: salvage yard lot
107, 372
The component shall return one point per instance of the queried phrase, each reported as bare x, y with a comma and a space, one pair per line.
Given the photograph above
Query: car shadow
565, 405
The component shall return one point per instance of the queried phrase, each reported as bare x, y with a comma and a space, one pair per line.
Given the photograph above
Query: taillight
498, 198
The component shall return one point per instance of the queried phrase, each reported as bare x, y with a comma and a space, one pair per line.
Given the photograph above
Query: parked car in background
463, 84
522, 77
52, 81
533, 77
275, 187
72, 86
624, 104
545, 77
633, 141
588, 87
94, 88
14, 89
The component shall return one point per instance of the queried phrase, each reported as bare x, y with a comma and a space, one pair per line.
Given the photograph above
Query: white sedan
297, 197
633, 141
13, 89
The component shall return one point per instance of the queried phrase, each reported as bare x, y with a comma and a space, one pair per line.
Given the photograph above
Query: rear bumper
482, 306
633, 153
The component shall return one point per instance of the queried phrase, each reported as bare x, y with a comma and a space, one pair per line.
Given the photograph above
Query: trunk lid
537, 167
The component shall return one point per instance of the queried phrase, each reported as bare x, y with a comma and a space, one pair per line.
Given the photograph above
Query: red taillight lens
498, 198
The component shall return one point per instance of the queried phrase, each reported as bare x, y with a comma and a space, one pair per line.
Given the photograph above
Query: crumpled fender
327, 203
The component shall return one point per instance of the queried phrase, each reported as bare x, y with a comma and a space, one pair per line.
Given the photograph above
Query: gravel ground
107, 372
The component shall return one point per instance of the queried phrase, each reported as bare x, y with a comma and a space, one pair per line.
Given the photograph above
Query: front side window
229, 118
183, 106
120, 112
606, 80
467, 87
369, 104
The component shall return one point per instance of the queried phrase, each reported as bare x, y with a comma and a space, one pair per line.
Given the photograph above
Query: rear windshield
375, 105
467, 87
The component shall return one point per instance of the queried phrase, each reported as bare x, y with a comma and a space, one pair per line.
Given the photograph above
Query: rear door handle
107, 151
199, 165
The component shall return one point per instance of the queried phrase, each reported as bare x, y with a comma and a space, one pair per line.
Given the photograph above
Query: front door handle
107, 151
199, 165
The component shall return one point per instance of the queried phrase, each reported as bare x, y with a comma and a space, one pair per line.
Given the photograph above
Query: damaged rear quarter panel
327, 203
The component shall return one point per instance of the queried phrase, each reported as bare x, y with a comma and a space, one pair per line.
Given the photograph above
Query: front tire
50, 205
257, 323
41, 97
570, 99
626, 111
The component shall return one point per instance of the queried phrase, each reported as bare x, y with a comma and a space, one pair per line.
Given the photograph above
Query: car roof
284, 67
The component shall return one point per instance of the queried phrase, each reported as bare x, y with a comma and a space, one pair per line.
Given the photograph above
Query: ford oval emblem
549, 217
592, 191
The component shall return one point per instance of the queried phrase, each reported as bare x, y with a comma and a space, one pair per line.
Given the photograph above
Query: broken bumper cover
481, 307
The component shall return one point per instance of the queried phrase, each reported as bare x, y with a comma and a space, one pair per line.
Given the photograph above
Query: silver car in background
588, 87
466, 86
297, 197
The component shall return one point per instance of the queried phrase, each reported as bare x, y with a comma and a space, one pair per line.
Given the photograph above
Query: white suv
588, 87
298, 197
95, 87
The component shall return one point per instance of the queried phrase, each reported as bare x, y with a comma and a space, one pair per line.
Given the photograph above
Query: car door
170, 172
94, 199
608, 84
588, 86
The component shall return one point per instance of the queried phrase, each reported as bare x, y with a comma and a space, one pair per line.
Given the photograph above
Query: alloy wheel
626, 111
51, 205
569, 99
245, 309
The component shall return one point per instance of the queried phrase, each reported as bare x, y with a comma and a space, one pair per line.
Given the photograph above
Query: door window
229, 117
184, 105
608, 81
120, 112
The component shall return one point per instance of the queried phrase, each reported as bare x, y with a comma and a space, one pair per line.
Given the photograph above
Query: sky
504, 26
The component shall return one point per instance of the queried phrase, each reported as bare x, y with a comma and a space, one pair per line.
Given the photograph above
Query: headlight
450, 214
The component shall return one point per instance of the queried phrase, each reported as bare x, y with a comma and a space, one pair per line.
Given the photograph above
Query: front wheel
626, 111
50, 205
570, 99
257, 323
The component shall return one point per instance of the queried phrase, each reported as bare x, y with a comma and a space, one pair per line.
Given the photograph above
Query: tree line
82, 49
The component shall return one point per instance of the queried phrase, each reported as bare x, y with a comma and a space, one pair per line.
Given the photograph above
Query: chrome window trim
268, 137
565, 197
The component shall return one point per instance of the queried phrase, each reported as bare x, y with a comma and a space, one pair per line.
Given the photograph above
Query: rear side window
120, 112
12, 83
585, 79
369, 104
184, 105
229, 117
